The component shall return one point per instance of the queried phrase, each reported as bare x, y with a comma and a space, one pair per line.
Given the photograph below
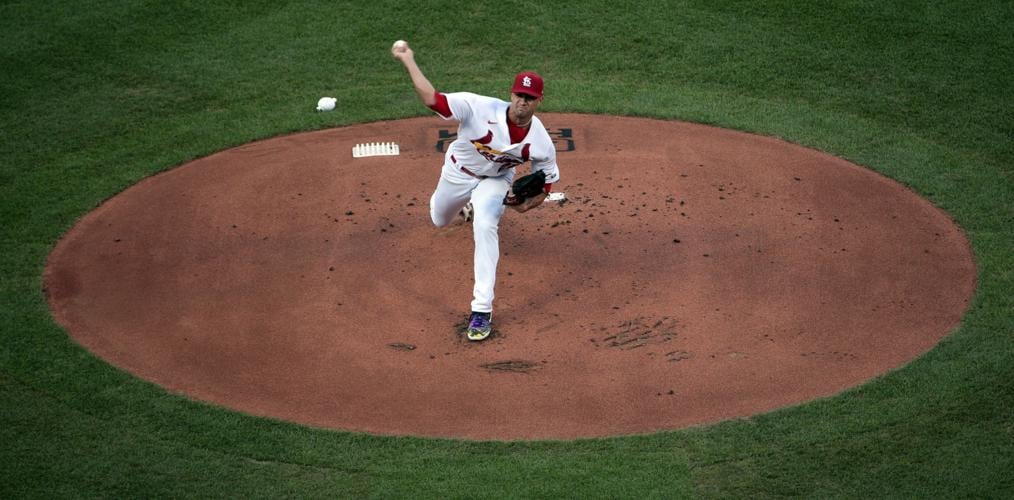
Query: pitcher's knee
439, 221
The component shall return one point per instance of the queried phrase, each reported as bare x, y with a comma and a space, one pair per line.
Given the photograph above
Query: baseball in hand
399, 46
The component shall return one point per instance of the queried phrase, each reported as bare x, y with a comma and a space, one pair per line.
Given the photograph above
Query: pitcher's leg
487, 203
452, 193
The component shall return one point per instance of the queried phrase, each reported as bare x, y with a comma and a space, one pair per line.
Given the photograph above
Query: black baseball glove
526, 187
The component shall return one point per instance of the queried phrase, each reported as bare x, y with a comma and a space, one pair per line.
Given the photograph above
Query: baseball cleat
467, 212
480, 325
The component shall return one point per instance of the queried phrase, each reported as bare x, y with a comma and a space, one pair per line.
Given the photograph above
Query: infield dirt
693, 274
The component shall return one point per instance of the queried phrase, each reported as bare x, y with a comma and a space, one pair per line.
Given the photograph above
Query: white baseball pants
454, 190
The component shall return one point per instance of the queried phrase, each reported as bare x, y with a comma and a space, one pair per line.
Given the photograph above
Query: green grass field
95, 96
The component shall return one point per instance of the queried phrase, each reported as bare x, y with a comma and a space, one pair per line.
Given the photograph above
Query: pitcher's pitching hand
400, 50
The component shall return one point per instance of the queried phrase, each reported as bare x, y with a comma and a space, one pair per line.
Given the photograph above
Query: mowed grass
96, 96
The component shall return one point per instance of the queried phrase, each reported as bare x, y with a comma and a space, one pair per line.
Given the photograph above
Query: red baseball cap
528, 82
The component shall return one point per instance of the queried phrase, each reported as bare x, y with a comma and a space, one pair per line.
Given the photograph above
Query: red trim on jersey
525, 153
486, 139
441, 106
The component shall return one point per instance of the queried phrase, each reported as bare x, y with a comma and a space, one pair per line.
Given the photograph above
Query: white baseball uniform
479, 168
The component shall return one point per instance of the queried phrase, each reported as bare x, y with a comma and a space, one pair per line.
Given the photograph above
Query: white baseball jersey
483, 145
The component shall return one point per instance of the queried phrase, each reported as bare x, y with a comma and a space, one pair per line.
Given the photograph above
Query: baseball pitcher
494, 136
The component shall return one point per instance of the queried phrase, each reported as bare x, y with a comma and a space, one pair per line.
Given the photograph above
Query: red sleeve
441, 105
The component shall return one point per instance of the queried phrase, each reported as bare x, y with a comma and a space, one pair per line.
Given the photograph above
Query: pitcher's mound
693, 274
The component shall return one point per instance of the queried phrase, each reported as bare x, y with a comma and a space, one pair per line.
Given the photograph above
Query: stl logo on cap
529, 83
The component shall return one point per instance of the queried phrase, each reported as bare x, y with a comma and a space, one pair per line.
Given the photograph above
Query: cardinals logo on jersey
502, 159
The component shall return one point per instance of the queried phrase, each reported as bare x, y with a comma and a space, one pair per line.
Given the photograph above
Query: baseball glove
526, 187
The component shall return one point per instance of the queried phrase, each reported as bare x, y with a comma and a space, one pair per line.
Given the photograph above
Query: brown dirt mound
694, 274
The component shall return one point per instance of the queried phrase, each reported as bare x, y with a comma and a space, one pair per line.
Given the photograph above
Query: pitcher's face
523, 106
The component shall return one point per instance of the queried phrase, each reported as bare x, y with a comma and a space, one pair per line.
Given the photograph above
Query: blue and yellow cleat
480, 325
